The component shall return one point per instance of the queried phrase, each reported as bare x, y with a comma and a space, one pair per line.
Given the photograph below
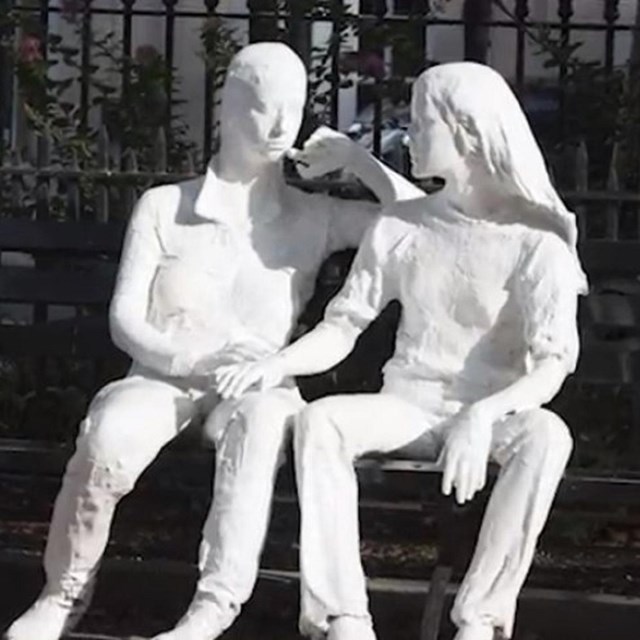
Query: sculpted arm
327, 151
547, 296
130, 330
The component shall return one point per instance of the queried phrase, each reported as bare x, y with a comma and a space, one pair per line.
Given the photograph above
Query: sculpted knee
102, 459
315, 427
548, 435
258, 415
254, 426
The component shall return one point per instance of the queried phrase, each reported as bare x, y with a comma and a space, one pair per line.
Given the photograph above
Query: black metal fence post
209, 79
477, 18
85, 56
611, 14
522, 13
169, 47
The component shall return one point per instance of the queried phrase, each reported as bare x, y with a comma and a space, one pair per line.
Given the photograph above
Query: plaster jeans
532, 449
127, 424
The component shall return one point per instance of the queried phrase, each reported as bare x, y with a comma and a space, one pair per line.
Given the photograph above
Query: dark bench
74, 266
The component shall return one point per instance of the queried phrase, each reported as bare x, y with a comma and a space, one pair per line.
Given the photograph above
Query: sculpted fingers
462, 481
230, 378
247, 377
448, 476
481, 475
223, 376
324, 152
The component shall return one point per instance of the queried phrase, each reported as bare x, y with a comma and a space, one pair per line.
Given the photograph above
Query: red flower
29, 50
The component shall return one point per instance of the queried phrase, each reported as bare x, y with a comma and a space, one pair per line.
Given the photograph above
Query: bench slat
57, 286
69, 237
610, 257
80, 338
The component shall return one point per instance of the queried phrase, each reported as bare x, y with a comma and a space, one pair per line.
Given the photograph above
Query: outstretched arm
365, 293
327, 345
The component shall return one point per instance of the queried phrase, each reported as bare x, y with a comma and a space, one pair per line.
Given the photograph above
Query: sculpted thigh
257, 414
131, 419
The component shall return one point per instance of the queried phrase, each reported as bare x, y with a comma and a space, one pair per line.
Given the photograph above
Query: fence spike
612, 210
43, 183
17, 183
582, 185
73, 188
103, 148
161, 151
190, 164
101, 187
129, 192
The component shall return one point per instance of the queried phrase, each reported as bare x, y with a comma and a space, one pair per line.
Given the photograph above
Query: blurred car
393, 134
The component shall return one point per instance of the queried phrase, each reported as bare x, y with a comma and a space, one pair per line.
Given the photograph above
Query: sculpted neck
474, 193
247, 190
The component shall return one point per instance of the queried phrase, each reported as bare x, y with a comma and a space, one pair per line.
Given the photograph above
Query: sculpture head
262, 103
464, 112
467, 126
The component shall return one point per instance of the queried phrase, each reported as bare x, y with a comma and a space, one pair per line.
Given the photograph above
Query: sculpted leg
249, 434
532, 449
330, 434
127, 424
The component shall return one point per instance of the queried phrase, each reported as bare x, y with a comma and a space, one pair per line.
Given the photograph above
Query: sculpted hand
466, 454
233, 380
324, 152
206, 365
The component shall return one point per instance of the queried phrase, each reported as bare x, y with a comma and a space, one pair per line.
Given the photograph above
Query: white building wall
444, 43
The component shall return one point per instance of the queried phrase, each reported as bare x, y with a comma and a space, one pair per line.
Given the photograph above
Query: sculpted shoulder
168, 200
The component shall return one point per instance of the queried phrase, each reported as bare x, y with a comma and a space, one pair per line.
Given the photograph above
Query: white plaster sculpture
488, 277
213, 270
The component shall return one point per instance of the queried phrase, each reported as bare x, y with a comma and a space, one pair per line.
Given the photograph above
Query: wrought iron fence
72, 142
93, 175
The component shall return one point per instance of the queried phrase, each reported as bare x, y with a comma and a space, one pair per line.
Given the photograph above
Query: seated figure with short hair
214, 270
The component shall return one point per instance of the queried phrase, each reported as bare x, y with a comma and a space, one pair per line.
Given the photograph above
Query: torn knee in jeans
230, 441
108, 475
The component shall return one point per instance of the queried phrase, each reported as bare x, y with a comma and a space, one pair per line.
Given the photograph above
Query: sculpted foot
351, 628
475, 632
48, 619
201, 622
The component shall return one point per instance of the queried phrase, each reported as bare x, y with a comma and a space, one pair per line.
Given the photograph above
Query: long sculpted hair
486, 120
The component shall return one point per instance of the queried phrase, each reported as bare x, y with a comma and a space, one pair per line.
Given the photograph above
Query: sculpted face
263, 121
263, 102
433, 150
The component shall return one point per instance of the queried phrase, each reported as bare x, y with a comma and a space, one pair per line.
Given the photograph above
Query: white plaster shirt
210, 283
480, 301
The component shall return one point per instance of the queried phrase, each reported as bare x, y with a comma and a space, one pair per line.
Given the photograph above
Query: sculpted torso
227, 281
460, 325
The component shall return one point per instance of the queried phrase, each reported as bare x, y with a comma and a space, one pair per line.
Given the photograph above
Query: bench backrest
75, 263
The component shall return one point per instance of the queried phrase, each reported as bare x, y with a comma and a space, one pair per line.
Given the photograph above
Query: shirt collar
209, 197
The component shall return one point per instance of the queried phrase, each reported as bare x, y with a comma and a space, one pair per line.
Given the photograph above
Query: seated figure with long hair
488, 278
